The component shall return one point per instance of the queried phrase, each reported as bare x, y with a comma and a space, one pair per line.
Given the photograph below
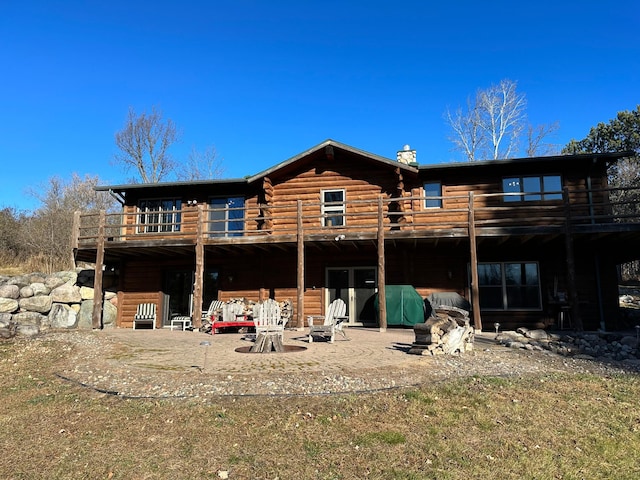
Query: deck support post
382, 298
75, 236
300, 269
96, 316
473, 246
571, 265
196, 315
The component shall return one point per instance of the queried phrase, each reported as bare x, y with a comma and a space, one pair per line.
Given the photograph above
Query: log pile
447, 331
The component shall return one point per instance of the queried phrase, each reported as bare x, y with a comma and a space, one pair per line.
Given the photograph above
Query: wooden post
382, 298
96, 317
196, 315
475, 290
75, 237
300, 281
571, 266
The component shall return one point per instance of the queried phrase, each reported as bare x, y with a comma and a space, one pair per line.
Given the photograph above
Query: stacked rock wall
36, 302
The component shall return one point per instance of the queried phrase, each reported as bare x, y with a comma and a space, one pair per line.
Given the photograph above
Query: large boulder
53, 282
19, 281
67, 277
10, 291
29, 324
7, 326
39, 288
40, 304
62, 316
66, 294
85, 317
86, 293
8, 305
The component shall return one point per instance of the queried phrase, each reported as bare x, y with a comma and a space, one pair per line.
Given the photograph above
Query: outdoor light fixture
340, 237
496, 326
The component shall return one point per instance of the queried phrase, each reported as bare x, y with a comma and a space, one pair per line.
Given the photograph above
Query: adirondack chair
332, 321
214, 308
230, 311
145, 315
267, 318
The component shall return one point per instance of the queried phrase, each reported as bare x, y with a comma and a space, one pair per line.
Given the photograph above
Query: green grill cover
405, 306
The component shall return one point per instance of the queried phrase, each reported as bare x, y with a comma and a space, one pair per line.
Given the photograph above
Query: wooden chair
267, 318
145, 315
215, 308
332, 321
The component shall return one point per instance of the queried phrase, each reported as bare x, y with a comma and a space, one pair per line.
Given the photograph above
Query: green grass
537, 427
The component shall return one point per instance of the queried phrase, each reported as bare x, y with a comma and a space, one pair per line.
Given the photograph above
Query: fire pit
270, 342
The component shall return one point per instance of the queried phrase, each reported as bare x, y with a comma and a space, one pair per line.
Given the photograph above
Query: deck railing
405, 214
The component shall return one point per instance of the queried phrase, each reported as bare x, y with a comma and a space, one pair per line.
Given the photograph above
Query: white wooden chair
215, 308
331, 322
231, 311
145, 315
267, 318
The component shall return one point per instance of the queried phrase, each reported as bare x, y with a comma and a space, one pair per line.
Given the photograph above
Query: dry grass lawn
542, 427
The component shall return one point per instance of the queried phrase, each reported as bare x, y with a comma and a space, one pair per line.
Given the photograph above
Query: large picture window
159, 215
333, 208
226, 216
509, 286
541, 187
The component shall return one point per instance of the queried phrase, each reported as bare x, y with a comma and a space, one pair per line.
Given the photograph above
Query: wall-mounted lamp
230, 278
192, 202
340, 237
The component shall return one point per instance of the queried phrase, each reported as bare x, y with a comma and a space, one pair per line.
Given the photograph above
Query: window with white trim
333, 208
509, 286
432, 192
159, 215
535, 188
226, 217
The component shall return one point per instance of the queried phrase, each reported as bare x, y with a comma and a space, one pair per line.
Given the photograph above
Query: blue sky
265, 80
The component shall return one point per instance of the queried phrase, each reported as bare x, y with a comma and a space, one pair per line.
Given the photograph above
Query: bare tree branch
201, 165
144, 143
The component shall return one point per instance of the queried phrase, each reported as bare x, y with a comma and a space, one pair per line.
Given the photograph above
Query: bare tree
502, 117
467, 136
144, 142
47, 231
493, 123
201, 165
535, 139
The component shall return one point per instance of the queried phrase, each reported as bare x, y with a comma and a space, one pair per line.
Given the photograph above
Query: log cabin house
521, 239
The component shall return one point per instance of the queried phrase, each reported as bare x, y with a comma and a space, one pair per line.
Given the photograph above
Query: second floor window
160, 215
431, 190
539, 187
226, 216
333, 208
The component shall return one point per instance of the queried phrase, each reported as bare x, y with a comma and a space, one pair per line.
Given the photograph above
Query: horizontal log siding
308, 183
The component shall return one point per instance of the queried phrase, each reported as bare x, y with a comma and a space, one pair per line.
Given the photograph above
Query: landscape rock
29, 318
26, 292
53, 282
86, 293
66, 294
8, 305
39, 288
62, 316
67, 277
19, 281
10, 291
27, 330
40, 304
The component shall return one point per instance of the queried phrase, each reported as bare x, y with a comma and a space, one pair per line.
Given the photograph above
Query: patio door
178, 292
357, 287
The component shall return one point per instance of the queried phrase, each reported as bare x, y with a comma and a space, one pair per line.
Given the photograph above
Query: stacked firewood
446, 331
286, 309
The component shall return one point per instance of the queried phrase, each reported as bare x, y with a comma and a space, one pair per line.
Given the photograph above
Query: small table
181, 319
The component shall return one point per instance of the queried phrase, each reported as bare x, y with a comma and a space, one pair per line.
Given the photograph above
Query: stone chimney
407, 156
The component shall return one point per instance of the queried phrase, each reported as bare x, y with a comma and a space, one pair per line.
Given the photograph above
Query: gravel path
193, 365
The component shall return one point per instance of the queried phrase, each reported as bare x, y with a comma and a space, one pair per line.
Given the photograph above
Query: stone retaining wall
36, 302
